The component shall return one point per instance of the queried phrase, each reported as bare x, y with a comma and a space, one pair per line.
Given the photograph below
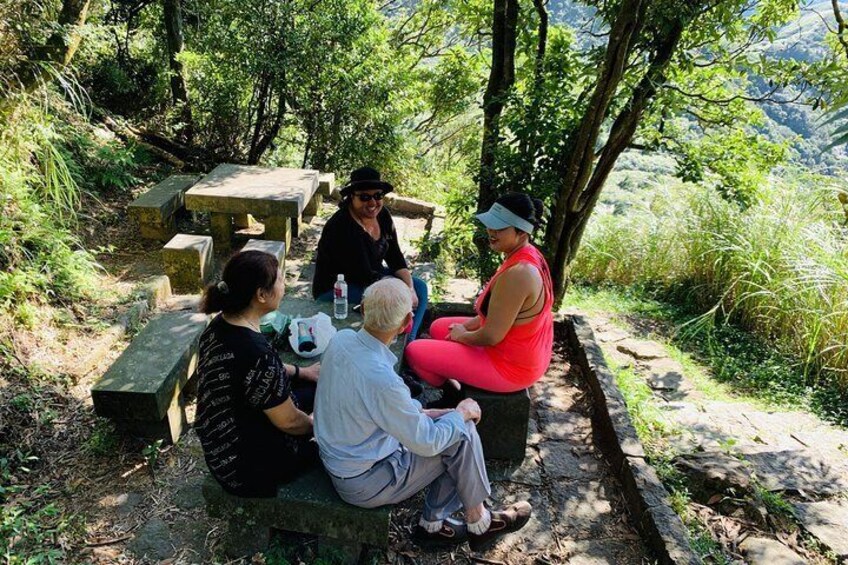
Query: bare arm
290, 419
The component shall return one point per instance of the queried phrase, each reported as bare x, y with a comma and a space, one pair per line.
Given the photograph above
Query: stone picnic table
232, 193
296, 307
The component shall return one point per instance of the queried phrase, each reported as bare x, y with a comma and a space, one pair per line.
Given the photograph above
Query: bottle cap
339, 277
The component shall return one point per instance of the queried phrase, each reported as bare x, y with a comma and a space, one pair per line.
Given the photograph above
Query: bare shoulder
522, 274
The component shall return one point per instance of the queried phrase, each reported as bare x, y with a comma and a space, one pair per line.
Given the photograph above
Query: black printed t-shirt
240, 375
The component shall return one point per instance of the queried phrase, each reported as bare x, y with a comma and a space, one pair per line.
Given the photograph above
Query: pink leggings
436, 360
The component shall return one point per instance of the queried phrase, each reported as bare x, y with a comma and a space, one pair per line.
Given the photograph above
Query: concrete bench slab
155, 210
188, 261
141, 390
503, 427
275, 248
308, 505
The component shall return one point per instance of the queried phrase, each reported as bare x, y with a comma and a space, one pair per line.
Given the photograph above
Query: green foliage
778, 268
33, 529
39, 197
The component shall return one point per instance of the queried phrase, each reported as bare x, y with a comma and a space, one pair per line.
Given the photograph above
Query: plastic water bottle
340, 298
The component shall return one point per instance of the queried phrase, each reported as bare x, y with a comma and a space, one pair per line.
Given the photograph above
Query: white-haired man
380, 447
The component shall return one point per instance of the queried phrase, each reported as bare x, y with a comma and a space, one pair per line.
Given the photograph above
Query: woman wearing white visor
507, 346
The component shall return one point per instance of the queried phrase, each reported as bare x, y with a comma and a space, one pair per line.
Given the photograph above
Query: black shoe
415, 388
449, 399
452, 533
504, 521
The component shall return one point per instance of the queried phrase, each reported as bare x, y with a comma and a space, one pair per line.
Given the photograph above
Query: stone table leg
222, 230
279, 228
314, 205
243, 221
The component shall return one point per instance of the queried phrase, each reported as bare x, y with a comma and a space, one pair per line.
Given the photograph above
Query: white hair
385, 304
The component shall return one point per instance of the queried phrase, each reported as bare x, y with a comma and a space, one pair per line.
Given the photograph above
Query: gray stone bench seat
140, 392
308, 505
155, 210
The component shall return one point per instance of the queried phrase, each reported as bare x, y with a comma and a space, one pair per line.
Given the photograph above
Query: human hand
457, 332
414, 298
310, 372
469, 410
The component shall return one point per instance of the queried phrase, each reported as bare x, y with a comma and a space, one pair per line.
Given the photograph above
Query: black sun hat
365, 178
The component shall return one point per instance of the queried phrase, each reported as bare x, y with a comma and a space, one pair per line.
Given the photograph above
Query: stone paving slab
641, 349
798, 470
827, 520
563, 460
592, 510
770, 551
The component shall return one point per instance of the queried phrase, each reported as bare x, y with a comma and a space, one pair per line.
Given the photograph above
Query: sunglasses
368, 197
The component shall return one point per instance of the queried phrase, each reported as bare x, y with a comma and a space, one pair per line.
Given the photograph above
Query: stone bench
275, 248
140, 392
155, 210
188, 261
307, 505
503, 427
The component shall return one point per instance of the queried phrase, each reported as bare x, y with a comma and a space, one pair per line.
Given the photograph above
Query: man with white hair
380, 447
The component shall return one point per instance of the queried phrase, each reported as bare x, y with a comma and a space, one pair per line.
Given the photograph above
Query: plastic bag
318, 327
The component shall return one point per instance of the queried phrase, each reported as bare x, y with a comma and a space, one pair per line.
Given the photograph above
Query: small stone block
188, 262
309, 505
503, 427
142, 384
279, 228
275, 248
326, 184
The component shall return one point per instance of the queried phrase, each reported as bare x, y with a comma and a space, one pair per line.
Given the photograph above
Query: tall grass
40, 257
778, 268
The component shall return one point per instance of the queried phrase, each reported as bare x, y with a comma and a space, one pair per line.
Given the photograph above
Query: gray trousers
457, 479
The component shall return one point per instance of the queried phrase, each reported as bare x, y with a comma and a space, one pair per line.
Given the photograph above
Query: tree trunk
174, 35
58, 50
501, 79
583, 192
561, 239
530, 144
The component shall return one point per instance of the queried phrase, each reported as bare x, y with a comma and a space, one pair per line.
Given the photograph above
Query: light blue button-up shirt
363, 411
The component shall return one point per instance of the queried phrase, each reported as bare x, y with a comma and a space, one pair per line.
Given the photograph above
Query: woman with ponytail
253, 412
507, 346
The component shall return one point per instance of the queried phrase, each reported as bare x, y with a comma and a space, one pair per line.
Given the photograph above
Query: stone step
308, 505
141, 390
154, 211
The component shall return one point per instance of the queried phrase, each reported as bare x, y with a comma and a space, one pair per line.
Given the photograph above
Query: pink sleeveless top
525, 352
